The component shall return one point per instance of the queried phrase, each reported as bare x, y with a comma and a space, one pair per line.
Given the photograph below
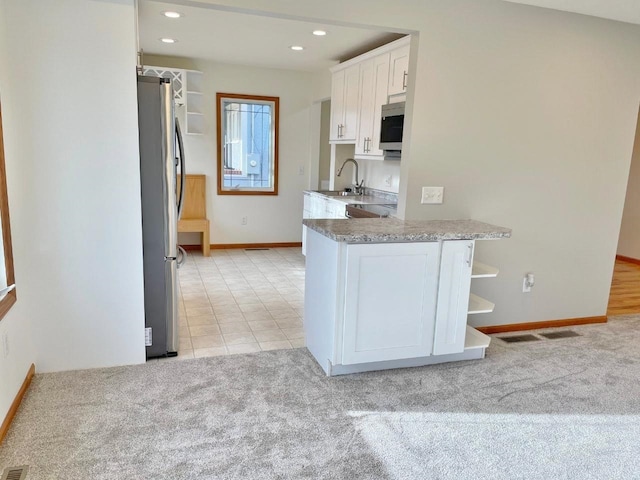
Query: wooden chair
194, 212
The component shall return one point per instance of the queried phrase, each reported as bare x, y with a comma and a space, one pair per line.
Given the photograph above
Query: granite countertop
391, 230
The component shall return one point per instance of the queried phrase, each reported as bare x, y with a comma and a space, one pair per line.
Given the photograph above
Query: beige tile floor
241, 301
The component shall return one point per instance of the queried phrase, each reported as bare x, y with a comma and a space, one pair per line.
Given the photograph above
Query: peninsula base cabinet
388, 305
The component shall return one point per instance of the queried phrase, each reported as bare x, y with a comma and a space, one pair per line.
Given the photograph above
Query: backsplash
381, 174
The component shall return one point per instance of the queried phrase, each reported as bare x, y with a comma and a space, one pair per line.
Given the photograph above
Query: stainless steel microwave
391, 127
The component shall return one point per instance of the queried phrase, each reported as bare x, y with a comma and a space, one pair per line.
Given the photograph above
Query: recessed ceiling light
297, 48
168, 40
319, 33
172, 14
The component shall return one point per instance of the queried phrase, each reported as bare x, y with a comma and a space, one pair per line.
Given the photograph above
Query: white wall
527, 117
629, 242
17, 323
69, 107
271, 219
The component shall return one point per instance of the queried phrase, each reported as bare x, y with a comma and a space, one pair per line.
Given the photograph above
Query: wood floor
625, 289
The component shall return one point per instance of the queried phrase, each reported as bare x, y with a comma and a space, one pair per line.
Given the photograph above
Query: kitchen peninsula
389, 293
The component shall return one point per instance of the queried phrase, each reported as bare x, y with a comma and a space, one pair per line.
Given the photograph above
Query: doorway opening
624, 297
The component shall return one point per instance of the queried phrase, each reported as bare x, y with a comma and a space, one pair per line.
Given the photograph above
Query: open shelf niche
473, 338
187, 95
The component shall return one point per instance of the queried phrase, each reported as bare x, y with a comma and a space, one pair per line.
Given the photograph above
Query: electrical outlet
5, 345
301, 170
388, 180
432, 195
244, 220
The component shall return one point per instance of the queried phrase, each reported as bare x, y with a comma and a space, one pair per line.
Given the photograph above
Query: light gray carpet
554, 409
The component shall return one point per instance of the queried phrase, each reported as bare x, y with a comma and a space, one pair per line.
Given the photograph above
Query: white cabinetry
398, 70
390, 300
321, 206
187, 95
374, 80
453, 297
374, 306
317, 205
344, 104
359, 88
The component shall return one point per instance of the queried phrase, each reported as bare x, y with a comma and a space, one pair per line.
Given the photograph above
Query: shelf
479, 305
194, 81
475, 339
480, 270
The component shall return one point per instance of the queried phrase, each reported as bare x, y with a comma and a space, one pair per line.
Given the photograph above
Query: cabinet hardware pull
470, 254
404, 80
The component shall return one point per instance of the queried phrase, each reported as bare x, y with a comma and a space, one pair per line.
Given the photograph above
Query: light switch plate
432, 195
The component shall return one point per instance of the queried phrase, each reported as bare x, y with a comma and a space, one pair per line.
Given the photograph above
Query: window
7, 290
247, 144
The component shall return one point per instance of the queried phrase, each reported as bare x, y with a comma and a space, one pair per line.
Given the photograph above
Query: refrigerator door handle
182, 256
182, 170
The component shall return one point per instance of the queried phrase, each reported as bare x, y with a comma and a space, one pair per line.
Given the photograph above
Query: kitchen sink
338, 193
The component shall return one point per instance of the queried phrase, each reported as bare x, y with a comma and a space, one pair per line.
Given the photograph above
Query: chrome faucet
359, 188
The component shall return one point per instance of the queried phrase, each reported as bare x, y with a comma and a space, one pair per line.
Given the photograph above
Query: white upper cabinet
399, 70
374, 79
344, 104
359, 88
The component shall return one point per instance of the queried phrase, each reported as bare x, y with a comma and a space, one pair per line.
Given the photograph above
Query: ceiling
230, 37
621, 10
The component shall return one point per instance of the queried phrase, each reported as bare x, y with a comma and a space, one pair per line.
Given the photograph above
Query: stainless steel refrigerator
161, 154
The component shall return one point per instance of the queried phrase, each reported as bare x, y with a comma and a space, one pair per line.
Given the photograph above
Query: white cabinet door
344, 104
380, 87
365, 108
390, 300
337, 105
351, 82
306, 205
453, 296
374, 80
316, 206
337, 209
304, 240
398, 70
